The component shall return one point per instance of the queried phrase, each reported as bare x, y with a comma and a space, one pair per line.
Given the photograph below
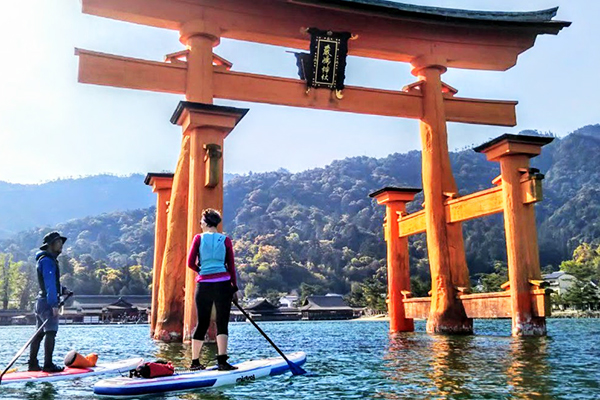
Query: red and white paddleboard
117, 367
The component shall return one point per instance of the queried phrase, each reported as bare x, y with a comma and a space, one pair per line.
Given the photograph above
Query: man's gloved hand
65, 291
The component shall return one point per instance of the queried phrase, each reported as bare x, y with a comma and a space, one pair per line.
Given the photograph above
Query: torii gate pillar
513, 153
447, 314
398, 268
207, 126
161, 185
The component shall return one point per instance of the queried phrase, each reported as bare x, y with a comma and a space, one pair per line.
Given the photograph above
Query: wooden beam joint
474, 205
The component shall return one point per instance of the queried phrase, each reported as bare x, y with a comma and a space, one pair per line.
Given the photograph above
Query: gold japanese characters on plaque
325, 66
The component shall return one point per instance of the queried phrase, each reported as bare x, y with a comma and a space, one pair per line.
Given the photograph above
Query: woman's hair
211, 217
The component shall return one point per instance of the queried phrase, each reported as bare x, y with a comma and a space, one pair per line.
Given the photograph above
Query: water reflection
466, 367
449, 369
204, 396
528, 371
443, 359
181, 354
43, 391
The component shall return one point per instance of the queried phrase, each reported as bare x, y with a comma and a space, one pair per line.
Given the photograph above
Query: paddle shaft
20, 353
261, 331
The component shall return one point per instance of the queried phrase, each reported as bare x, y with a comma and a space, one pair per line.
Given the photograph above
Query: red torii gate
430, 39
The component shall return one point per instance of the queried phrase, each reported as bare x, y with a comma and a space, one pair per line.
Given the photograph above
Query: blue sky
53, 127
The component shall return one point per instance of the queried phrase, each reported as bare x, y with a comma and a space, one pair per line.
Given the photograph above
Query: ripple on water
355, 360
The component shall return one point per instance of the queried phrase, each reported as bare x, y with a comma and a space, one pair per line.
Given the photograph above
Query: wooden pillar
207, 126
447, 315
456, 244
513, 153
398, 267
199, 36
169, 317
161, 185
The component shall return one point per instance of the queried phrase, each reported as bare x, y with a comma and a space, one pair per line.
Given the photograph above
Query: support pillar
398, 268
447, 315
513, 153
161, 185
199, 36
207, 126
169, 327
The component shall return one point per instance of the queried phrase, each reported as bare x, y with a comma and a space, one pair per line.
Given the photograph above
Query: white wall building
289, 301
560, 281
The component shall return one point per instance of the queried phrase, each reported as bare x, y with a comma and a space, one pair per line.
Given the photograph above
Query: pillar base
168, 337
402, 325
453, 321
536, 326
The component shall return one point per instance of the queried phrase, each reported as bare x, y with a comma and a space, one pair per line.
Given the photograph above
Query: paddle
296, 370
20, 353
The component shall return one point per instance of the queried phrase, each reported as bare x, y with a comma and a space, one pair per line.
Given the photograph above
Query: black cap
51, 238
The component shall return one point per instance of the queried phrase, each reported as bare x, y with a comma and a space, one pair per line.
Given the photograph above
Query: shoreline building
560, 281
263, 310
326, 308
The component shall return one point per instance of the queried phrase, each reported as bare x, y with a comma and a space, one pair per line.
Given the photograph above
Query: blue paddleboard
247, 371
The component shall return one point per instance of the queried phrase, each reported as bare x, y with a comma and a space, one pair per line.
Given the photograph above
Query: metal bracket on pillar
213, 157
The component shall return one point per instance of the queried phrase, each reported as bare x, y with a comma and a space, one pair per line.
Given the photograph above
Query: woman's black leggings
207, 294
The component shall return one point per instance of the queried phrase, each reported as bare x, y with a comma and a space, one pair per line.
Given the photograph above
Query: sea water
354, 360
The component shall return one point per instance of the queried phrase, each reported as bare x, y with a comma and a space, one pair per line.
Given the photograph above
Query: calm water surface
355, 360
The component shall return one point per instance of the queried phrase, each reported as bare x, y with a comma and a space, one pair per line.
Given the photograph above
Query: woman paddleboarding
211, 256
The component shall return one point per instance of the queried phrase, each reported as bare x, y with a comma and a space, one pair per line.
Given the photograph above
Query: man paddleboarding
211, 256
47, 303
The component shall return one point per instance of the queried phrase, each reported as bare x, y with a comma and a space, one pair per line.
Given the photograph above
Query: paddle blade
296, 369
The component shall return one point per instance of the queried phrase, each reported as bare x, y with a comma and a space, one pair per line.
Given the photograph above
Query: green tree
250, 290
111, 280
356, 296
273, 296
307, 290
492, 282
585, 264
375, 292
16, 283
558, 300
27, 286
420, 287
5, 280
583, 296
371, 293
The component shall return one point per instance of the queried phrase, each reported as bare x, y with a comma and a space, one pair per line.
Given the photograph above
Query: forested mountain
27, 206
320, 228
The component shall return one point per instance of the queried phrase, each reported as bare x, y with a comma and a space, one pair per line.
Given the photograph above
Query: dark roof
396, 189
101, 301
121, 304
554, 275
529, 139
261, 305
157, 175
534, 19
325, 302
